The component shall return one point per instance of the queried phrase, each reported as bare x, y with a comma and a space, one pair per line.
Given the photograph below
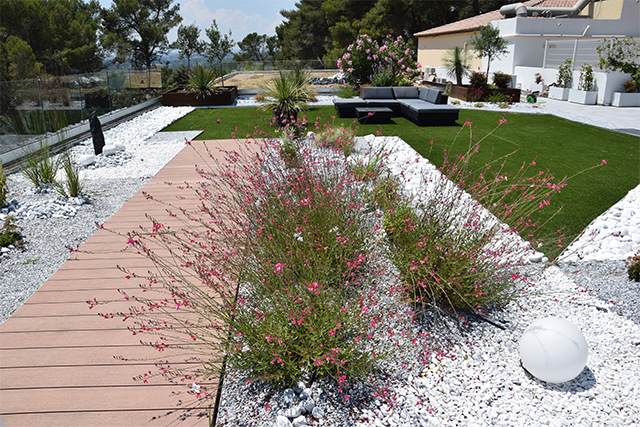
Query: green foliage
496, 98
138, 29
218, 46
586, 77
4, 188
10, 233
633, 267
347, 91
73, 186
501, 80
456, 61
488, 44
201, 81
40, 167
565, 74
620, 55
339, 138
478, 105
630, 86
257, 47
478, 80
187, 42
455, 102
60, 36
288, 94
385, 192
391, 61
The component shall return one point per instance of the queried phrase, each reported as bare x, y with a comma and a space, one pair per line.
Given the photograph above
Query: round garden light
553, 350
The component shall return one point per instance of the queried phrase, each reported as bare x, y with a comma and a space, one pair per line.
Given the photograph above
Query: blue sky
240, 16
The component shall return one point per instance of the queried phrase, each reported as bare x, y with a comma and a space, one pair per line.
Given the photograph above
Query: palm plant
287, 94
201, 81
456, 60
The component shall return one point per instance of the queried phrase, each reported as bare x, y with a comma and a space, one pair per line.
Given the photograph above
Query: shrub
4, 188
630, 86
383, 75
10, 233
496, 98
478, 80
501, 80
366, 55
478, 105
347, 91
586, 77
455, 102
337, 137
565, 74
633, 267
385, 192
475, 93
294, 241
620, 55
287, 95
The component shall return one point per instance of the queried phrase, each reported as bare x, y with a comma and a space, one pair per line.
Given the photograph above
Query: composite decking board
57, 357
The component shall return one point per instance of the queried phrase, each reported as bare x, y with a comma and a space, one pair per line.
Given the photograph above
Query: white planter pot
583, 97
621, 99
558, 93
536, 87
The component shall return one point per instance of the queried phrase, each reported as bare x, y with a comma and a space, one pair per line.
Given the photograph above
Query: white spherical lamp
553, 350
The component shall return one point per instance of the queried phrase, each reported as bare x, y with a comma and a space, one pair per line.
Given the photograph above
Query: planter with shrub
585, 93
560, 89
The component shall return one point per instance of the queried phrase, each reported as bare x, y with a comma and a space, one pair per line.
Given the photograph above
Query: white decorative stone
87, 160
283, 421
553, 350
119, 146
109, 150
300, 421
317, 412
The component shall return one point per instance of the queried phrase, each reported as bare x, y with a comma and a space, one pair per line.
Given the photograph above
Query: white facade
540, 45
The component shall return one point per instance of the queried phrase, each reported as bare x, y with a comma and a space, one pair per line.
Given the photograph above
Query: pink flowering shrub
392, 58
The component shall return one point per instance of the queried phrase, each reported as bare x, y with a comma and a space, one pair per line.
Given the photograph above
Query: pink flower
604, 162
218, 121
278, 268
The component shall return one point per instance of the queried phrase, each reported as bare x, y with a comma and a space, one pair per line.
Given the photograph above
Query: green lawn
565, 147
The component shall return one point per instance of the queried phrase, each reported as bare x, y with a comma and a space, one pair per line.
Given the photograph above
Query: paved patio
57, 365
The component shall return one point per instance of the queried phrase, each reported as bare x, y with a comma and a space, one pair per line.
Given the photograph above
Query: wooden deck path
56, 356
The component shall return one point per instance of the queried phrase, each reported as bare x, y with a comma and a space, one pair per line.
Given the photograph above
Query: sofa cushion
406, 92
377, 93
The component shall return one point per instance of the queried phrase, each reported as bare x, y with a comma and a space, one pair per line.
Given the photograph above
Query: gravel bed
471, 375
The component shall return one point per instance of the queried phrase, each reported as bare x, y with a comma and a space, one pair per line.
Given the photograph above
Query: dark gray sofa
423, 106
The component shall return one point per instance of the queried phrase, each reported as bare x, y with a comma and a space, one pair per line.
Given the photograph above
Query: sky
240, 16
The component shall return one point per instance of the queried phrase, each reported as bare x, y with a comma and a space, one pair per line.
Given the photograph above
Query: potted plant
560, 89
585, 93
200, 90
629, 97
622, 55
539, 85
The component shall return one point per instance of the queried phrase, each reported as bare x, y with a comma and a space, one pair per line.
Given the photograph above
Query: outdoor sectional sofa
422, 105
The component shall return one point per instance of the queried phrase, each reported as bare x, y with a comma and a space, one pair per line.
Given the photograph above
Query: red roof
475, 22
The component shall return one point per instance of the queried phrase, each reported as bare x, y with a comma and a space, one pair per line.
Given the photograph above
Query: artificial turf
567, 148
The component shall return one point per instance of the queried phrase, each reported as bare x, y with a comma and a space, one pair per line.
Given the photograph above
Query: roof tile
475, 22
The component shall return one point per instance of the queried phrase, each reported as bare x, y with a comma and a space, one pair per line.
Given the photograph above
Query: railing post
573, 58
44, 120
544, 57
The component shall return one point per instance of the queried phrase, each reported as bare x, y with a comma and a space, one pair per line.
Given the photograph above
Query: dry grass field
256, 79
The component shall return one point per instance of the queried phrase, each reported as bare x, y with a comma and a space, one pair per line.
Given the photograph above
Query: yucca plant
201, 81
456, 61
287, 95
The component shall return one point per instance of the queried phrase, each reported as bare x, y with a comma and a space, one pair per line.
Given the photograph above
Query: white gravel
476, 381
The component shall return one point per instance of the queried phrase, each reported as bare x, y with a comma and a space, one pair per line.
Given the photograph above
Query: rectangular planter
179, 97
621, 99
583, 97
560, 93
460, 92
